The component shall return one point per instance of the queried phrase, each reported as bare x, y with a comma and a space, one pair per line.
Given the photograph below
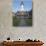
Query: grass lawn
15, 21
29, 22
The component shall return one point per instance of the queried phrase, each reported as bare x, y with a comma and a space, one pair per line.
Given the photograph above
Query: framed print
22, 12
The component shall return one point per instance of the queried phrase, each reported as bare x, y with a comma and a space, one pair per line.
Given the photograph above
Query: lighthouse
21, 12
21, 6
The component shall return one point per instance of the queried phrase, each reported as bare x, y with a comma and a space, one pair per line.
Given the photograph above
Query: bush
29, 22
15, 21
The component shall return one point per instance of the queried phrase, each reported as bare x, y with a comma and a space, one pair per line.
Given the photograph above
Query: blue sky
16, 5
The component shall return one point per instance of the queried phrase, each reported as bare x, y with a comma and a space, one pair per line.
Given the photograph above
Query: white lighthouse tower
21, 6
21, 12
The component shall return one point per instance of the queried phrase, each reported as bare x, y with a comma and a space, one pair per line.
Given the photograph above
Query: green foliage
29, 22
15, 21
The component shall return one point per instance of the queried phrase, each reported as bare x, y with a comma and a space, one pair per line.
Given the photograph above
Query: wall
37, 31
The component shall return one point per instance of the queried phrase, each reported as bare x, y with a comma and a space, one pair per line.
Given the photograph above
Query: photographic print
22, 12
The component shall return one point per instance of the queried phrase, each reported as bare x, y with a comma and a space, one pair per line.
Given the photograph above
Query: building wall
37, 31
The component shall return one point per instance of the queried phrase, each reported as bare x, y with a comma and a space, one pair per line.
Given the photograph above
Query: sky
16, 5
